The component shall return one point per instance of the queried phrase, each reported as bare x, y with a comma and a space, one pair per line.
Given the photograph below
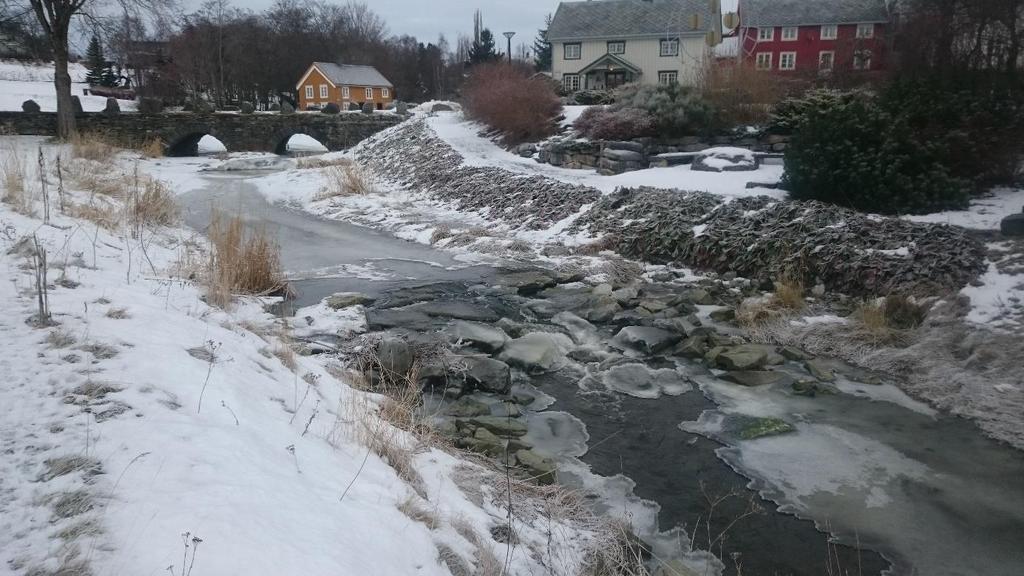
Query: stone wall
180, 131
615, 157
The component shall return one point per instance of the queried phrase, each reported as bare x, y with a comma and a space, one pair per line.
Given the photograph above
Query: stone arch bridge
180, 132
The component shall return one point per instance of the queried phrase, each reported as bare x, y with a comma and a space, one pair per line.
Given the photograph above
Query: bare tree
55, 17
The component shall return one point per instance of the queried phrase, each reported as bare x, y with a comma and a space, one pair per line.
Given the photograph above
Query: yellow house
326, 82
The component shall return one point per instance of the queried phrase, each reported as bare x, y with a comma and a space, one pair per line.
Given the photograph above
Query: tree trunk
62, 82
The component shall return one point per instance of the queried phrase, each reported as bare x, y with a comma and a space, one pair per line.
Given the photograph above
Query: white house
603, 44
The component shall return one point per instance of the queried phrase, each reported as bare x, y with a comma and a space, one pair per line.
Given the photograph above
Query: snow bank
20, 82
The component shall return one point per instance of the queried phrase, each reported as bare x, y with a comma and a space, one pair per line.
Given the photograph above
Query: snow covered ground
20, 82
147, 432
984, 214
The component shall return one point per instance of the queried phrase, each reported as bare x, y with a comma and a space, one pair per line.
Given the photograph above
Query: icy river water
901, 489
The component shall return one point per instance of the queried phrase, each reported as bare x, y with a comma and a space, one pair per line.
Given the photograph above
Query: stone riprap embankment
757, 237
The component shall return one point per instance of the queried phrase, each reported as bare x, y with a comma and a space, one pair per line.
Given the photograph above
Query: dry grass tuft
484, 560
241, 262
345, 180
118, 314
787, 299
60, 339
414, 508
313, 162
93, 146
888, 321
440, 233
153, 205
455, 564
12, 169
152, 148
789, 295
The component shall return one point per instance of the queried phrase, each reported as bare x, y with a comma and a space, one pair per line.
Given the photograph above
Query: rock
438, 376
441, 107
584, 356
811, 389
652, 305
540, 469
395, 356
647, 339
408, 319
723, 315
456, 309
368, 108
30, 106
507, 409
483, 441
347, 299
499, 425
761, 427
742, 358
791, 353
625, 295
536, 352
485, 337
578, 329
1012, 225
467, 407
528, 282
692, 347
76, 105
287, 108
246, 108
602, 290
639, 381
724, 160
698, 296
602, 309
757, 378
331, 108
820, 370
112, 108
712, 356
488, 374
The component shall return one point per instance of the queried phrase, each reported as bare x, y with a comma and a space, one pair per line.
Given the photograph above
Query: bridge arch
281, 139
187, 143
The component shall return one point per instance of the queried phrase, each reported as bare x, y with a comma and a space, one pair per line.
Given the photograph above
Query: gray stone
467, 407
1012, 225
791, 353
698, 296
112, 108
536, 352
647, 339
287, 108
395, 356
483, 336
692, 347
820, 370
456, 309
625, 295
347, 299
499, 425
30, 106
506, 409
723, 315
408, 319
540, 469
742, 358
528, 282
712, 356
488, 374
602, 309
622, 155
758, 378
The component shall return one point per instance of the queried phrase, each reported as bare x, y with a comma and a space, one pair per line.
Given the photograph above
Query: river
917, 492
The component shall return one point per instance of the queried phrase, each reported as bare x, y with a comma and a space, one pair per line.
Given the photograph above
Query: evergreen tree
542, 48
483, 50
95, 62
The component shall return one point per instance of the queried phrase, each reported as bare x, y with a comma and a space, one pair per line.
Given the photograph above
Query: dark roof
352, 74
755, 13
626, 18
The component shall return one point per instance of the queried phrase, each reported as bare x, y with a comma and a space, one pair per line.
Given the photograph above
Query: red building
811, 37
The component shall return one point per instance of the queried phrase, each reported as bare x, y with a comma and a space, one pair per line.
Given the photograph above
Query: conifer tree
95, 62
483, 51
542, 48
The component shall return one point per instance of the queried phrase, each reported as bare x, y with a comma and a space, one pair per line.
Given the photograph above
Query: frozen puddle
876, 467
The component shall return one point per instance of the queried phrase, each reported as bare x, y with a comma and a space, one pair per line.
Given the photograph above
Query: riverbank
147, 431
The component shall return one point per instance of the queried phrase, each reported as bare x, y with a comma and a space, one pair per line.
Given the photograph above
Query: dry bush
153, 205
345, 180
484, 560
240, 261
152, 148
118, 314
310, 162
741, 94
103, 214
60, 339
513, 100
889, 321
92, 146
413, 508
601, 123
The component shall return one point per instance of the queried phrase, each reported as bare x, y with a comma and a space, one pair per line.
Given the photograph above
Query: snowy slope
20, 82
147, 432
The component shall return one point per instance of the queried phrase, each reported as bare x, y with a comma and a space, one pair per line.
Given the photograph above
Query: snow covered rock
647, 339
537, 352
724, 159
1012, 225
482, 336
488, 374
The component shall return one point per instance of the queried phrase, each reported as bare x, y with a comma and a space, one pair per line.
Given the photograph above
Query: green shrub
600, 123
788, 114
677, 110
853, 153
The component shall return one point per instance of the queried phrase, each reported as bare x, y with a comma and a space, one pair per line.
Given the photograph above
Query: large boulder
537, 352
528, 282
485, 337
246, 108
112, 108
395, 356
639, 381
541, 469
287, 108
1012, 225
646, 339
502, 426
467, 407
742, 358
488, 375
30, 106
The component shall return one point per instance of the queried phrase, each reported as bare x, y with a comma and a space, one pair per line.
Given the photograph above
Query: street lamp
508, 36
